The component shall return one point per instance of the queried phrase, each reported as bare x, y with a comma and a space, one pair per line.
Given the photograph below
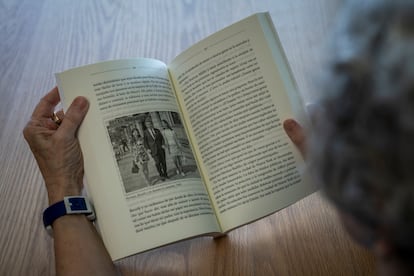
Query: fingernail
81, 102
290, 124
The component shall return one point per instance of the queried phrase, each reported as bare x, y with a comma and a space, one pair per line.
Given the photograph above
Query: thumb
296, 133
74, 117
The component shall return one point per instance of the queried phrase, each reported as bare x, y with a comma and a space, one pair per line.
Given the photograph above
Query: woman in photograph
173, 146
140, 155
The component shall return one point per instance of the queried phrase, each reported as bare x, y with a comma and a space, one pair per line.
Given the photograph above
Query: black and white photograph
150, 149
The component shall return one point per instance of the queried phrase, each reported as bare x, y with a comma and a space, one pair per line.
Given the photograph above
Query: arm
78, 248
160, 136
146, 145
177, 141
165, 143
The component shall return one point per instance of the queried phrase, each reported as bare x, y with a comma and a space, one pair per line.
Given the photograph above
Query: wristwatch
68, 206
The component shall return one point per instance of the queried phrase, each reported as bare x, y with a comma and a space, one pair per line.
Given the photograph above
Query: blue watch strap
69, 205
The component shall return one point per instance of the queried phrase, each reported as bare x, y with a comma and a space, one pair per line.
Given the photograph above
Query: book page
140, 170
235, 89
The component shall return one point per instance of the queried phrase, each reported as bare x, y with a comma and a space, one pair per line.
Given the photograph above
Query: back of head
363, 145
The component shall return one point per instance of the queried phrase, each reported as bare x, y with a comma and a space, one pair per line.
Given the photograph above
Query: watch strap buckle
68, 206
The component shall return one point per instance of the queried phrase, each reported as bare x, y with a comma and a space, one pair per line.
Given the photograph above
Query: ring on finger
56, 119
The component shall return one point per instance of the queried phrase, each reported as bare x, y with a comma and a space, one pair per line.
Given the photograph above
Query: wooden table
39, 38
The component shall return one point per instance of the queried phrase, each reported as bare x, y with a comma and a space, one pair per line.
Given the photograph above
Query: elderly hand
56, 148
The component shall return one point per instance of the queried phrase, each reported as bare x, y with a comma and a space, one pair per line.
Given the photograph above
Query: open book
192, 148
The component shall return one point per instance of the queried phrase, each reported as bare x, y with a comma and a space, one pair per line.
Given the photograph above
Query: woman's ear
374, 239
382, 248
360, 232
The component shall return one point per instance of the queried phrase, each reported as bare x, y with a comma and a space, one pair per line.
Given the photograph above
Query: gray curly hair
363, 144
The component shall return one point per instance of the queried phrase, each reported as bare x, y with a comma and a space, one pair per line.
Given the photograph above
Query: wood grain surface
39, 38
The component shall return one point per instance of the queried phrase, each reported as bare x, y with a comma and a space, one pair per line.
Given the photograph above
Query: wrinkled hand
296, 133
56, 148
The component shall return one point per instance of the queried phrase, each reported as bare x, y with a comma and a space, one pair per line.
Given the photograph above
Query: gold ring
56, 119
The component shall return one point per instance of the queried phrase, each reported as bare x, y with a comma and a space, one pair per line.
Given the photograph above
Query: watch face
77, 204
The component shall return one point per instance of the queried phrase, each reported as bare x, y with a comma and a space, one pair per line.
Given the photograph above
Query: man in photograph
154, 143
